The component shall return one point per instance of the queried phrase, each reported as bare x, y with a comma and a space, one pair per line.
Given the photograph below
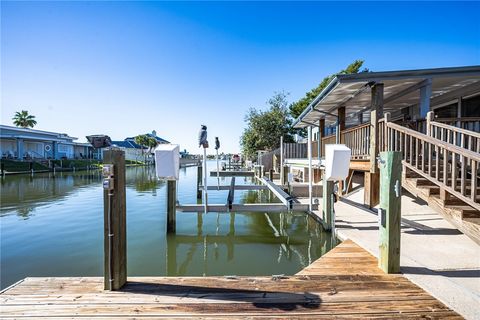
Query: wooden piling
270, 174
390, 213
284, 176
199, 181
171, 205
117, 204
327, 208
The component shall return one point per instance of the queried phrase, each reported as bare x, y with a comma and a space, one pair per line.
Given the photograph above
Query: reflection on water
52, 225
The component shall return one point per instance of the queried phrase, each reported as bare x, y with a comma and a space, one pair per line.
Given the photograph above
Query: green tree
297, 107
142, 140
24, 120
264, 128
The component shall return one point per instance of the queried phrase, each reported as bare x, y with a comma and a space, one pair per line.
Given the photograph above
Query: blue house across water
25, 144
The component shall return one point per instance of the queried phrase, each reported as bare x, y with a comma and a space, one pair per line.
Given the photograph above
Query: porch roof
400, 91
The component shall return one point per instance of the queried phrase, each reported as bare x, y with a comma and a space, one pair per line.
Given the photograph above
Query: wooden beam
321, 134
231, 193
171, 205
371, 189
327, 208
340, 124
390, 213
115, 223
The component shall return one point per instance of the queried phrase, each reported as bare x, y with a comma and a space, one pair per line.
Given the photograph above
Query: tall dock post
171, 205
115, 222
327, 208
199, 181
390, 210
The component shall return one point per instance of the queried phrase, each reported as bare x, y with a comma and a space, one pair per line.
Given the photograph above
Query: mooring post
327, 208
3, 169
171, 205
115, 224
271, 174
199, 181
31, 167
390, 210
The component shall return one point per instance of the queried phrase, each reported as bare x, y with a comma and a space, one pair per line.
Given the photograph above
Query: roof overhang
400, 90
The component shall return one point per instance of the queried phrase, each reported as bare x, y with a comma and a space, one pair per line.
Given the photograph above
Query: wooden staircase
442, 168
461, 215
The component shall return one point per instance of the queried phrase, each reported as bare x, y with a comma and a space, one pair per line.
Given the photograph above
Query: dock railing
451, 167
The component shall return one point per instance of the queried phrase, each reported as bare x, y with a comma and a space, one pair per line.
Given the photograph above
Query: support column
371, 181
321, 133
115, 241
341, 123
55, 150
171, 205
390, 213
425, 94
20, 149
310, 175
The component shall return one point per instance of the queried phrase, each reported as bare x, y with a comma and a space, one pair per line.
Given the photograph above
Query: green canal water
53, 226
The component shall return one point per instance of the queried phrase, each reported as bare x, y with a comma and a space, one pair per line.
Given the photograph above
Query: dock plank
345, 283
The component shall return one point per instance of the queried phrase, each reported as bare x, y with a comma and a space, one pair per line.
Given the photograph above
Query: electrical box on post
337, 162
167, 161
108, 177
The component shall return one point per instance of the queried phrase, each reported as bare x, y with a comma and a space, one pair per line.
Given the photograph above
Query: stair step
421, 182
466, 211
430, 189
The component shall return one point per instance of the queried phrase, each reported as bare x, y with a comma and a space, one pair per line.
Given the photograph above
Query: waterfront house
134, 151
27, 144
431, 116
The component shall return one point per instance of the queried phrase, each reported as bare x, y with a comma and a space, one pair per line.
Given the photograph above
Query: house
430, 116
134, 151
24, 144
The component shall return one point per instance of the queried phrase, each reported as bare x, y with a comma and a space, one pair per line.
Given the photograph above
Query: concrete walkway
434, 255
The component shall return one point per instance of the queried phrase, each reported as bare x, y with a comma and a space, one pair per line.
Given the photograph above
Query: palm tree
152, 144
142, 141
24, 120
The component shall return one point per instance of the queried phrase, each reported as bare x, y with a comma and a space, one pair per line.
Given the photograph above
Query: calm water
53, 226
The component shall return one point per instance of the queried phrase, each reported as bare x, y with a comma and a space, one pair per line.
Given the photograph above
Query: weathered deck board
345, 283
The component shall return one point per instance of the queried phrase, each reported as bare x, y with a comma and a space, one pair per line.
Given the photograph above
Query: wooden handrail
463, 119
457, 129
357, 127
452, 168
448, 146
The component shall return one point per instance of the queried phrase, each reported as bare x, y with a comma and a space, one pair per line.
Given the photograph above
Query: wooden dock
345, 283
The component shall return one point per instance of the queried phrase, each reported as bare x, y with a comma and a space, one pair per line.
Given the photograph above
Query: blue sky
124, 68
